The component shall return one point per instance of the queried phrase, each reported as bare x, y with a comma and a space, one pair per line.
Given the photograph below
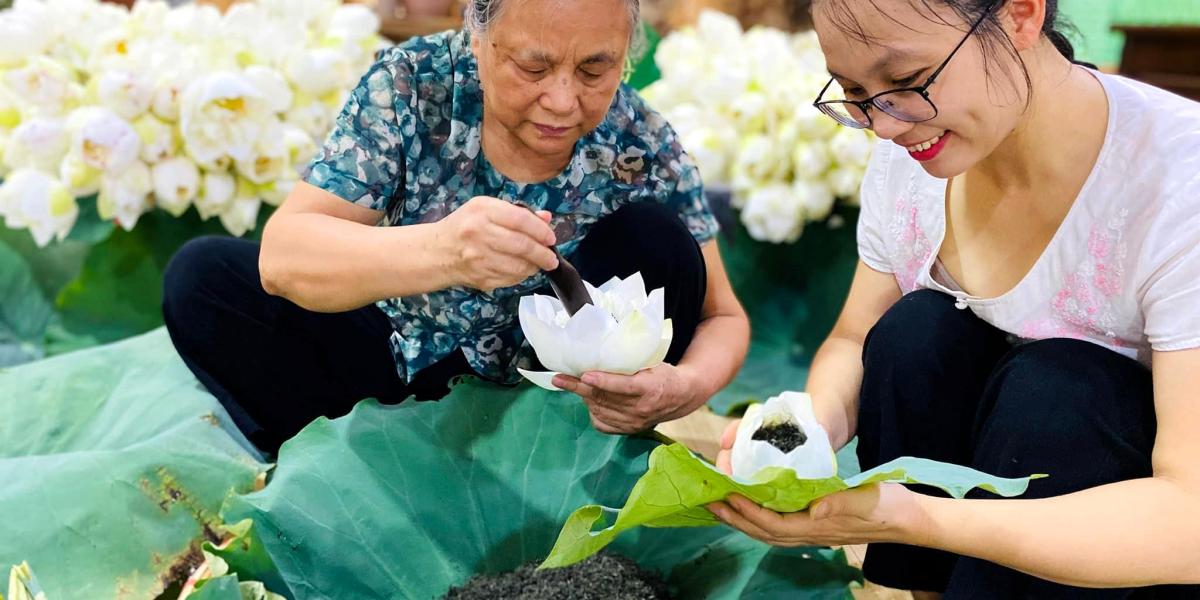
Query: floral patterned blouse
407, 143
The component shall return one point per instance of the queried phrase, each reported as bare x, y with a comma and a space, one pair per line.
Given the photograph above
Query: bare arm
723, 337
327, 255
836, 375
1132, 533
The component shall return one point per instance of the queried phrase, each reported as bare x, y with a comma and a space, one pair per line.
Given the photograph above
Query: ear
1023, 20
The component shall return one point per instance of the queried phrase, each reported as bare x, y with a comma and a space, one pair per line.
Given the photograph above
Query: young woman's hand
877, 513
492, 244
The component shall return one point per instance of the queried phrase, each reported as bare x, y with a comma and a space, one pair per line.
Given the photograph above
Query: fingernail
590, 379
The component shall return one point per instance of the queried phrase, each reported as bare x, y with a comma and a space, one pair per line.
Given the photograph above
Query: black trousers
275, 366
941, 383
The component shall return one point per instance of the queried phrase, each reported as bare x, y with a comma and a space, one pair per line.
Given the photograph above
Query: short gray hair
482, 14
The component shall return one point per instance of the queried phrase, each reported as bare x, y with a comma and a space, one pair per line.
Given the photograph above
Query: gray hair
482, 14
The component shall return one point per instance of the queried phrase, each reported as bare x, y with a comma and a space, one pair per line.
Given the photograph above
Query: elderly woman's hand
625, 404
494, 244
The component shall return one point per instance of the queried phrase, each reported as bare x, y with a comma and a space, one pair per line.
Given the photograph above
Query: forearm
1133, 533
327, 264
716, 354
834, 383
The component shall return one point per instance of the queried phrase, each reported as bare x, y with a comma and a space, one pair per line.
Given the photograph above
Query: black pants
940, 383
276, 367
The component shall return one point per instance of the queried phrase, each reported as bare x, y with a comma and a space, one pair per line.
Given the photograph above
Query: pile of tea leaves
602, 577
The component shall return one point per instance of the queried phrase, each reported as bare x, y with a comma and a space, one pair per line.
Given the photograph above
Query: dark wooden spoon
567, 283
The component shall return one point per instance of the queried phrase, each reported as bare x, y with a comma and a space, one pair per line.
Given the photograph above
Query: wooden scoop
567, 284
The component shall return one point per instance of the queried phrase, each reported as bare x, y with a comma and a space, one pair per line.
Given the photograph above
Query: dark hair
990, 31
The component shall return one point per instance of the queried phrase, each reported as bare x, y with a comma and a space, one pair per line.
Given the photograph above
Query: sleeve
873, 218
362, 160
686, 196
1171, 291
689, 200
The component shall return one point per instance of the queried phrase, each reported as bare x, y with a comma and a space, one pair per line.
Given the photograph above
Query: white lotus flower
319, 71
80, 178
719, 30
242, 215
311, 115
268, 161
127, 94
815, 198
39, 143
623, 332
167, 93
217, 190
125, 197
26, 31
772, 213
44, 86
787, 419
176, 183
353, 23
102, 140
752, 112
275, 192
158, 139
273, 86
811, 159
33, 200
846, 182
301, 147
759, 161
851, 146
222, 116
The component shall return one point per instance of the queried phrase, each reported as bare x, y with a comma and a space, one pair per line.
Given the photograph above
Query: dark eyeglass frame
873, 102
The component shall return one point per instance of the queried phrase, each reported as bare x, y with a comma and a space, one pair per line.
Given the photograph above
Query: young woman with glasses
1028, 301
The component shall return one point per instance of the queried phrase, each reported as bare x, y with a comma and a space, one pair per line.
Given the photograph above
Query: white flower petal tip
624, 331
787, 420
541, 379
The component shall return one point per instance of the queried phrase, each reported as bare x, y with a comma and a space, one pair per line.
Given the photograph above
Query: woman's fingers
730, 435
524, 221
521, 246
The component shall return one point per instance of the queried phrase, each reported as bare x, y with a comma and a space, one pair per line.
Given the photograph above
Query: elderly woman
398, 263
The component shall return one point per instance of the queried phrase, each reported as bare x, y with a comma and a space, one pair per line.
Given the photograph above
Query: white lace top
1123, 270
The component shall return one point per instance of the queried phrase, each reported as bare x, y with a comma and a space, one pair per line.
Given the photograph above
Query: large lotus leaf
406, 501
114, 466
793, 294
678, 485
118, 292
24, 310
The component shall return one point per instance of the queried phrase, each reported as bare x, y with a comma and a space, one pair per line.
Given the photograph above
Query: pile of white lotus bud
168, 108
741, 102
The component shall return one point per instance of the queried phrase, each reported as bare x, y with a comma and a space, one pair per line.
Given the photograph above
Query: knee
1049, 379
200, 267
917, 330
1068, 406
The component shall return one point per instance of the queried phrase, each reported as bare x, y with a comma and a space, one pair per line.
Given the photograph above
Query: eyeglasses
911, 105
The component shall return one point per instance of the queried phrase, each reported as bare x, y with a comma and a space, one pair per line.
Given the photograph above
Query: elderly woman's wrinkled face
975, 112
550, 68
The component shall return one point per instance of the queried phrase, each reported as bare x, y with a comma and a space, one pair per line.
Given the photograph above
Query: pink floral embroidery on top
1083, 306
912, 249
